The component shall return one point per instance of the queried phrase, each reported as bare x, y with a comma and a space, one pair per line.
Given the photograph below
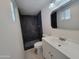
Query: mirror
66, 17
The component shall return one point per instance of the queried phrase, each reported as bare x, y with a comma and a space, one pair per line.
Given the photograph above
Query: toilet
38, 47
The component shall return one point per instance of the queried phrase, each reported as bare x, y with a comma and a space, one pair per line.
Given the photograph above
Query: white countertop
68, 48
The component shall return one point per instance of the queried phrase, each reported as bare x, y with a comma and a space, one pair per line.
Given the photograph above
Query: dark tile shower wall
39, 23
31, 29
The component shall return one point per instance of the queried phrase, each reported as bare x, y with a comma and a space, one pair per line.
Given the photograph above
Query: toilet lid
38, 44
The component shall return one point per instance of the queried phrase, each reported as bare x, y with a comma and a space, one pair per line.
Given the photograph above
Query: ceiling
31, 7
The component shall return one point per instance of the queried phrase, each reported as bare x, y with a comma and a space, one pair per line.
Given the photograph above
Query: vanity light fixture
51, 5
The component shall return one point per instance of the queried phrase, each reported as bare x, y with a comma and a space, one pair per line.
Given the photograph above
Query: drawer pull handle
51, 55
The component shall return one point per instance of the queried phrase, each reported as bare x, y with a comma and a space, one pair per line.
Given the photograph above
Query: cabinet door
45, 50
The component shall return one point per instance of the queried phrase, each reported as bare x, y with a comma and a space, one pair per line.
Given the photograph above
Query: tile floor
30, 54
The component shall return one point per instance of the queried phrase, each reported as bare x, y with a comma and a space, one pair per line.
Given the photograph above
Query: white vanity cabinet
49, 52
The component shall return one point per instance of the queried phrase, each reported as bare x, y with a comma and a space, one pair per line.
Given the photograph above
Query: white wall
11, 45
47, 29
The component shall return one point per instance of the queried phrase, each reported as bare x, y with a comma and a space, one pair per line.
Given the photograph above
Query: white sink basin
59, 42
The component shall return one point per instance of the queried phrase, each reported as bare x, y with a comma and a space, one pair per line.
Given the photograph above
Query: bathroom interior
43, 29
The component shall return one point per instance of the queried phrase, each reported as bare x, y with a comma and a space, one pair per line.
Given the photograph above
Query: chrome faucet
62, 39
